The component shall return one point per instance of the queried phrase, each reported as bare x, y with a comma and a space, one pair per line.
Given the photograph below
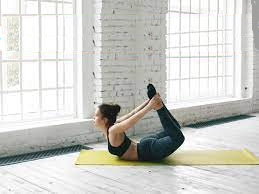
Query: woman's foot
151, 91
159, 104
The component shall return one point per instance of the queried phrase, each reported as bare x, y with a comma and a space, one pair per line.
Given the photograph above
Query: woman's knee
181, 139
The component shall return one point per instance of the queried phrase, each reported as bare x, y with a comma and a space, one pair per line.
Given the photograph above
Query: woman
150, 148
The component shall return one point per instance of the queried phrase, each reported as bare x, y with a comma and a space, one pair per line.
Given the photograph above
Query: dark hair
110, 111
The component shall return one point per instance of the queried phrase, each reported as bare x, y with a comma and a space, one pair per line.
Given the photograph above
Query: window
36, 61
200, 45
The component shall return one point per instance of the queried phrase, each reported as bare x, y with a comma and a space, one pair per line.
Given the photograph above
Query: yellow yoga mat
179, 157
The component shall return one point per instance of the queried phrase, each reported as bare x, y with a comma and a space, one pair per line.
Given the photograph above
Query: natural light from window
36, 61
199, 54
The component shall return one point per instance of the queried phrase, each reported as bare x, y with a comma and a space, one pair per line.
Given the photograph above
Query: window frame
39, 60
238, 9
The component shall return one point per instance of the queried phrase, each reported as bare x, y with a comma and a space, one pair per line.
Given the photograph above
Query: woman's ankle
160, 107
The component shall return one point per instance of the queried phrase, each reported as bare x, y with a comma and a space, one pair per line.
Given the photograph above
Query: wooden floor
60, 175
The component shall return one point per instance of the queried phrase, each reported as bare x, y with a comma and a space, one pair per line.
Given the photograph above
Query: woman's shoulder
113, 130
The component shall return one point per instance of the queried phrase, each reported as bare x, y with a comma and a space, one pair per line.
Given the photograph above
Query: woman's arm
132, 112
130, 122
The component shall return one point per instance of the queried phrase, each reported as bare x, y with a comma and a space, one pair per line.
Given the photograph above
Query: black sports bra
120, 150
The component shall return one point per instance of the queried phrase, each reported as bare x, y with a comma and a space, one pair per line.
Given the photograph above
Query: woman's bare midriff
131, 153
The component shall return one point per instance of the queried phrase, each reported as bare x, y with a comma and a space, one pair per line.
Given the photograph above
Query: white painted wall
128, 40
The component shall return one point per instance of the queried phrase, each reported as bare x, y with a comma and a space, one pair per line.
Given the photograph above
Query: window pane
212, 22
11, 36
69, 73
185, 89
204, 6
68, 54
229, 86
195, 6
195, 52
68, 7
229, 66
185, 68
204, 87
174, 52
185, 40
31, 105
204, 22
174, 5
185, 5
29, 7
194, 67
185, 22
194, 39
49, 100
220, 37
174, 90
11, 103
194, 25
213, 86
221, 86
204, 51
212, 51
68, 21
48, 74
213, 66
48, 7
174, 40
174, 68
11, 76
185, 52
213, 6
229, 22
66, 104
204, 38
222, 6
49, 37
173, 23
30, 37
230, 6
229, 37
194, 87
204, 67
10, 7
212, 38
220, 66
30, 75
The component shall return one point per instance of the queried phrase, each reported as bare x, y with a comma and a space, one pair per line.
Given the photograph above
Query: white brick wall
253, 61
128, 33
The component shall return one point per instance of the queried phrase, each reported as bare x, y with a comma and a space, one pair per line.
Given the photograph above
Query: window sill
184, 105
40, 124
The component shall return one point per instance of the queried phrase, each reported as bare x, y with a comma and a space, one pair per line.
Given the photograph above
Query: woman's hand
146, 102
154, 101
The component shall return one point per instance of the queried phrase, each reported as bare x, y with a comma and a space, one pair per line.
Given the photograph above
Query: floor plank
59, 174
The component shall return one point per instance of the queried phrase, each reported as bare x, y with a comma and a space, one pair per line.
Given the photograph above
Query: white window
36, 61
200, 42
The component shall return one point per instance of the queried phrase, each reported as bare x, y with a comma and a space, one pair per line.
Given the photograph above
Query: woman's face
99, 122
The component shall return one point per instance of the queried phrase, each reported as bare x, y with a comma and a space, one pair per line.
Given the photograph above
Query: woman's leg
164, 133
172, 117
152, 149
156, 136
169, 123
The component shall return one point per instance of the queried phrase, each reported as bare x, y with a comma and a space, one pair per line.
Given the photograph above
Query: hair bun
116, 108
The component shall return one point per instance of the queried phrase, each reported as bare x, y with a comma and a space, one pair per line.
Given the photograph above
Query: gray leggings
160, 145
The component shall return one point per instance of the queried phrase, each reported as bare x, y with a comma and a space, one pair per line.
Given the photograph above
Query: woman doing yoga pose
150, 148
